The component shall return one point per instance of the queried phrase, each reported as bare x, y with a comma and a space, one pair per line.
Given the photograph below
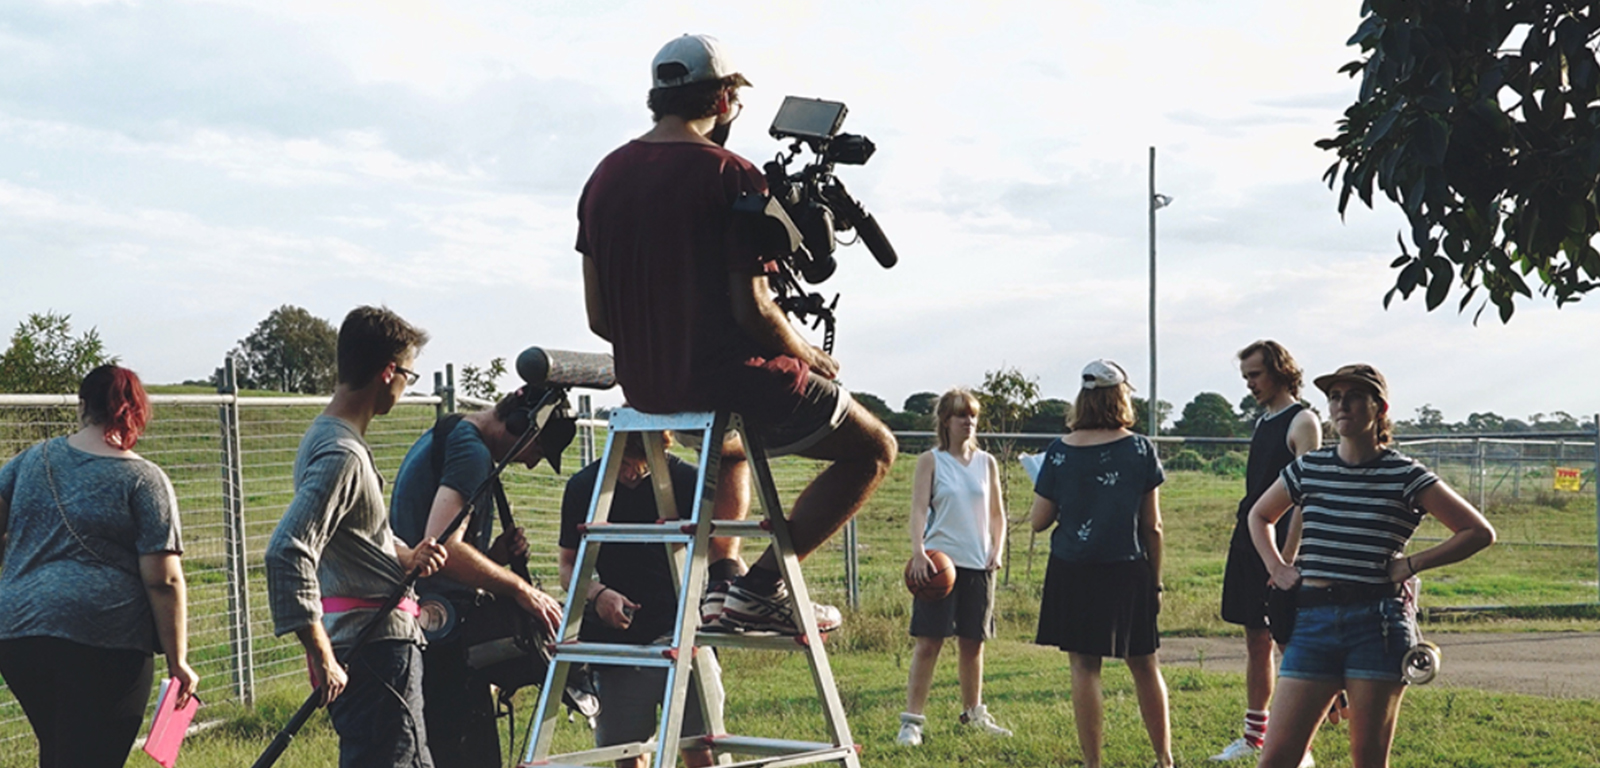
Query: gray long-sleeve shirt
334, 540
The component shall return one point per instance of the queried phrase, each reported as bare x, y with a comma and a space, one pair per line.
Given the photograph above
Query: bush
1230, 464
1186, 459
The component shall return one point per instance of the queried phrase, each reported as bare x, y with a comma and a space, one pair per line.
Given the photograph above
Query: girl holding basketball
955, 509
1099, 487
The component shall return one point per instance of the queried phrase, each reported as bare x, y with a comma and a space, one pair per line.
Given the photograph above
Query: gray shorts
630, 704
968, 611
806, 419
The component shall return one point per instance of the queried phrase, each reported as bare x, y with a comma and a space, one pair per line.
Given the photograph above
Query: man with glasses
332, 561
677, 282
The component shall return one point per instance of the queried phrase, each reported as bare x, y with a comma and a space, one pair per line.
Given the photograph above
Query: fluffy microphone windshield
556, 368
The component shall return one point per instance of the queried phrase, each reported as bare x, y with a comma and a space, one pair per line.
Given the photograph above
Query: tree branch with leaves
1482, 121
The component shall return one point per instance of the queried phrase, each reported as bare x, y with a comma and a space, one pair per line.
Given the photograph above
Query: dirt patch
1555, 664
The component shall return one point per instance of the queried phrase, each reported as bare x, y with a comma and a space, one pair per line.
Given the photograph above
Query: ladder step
616, 653
763, 641
753, 745
588, 757
750, 529
645, 533
629, 420
829, 754
773, 753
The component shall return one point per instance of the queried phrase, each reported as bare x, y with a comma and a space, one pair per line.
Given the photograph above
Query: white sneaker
1238, 750
748, 611
910, 730
979, 719
1308, 762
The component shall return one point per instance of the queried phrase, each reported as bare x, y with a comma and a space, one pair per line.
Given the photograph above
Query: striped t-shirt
1357, 518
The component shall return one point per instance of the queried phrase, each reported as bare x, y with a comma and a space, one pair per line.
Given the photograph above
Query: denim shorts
1365, 640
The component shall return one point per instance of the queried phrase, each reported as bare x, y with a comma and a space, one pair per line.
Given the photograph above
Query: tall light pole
1157, 202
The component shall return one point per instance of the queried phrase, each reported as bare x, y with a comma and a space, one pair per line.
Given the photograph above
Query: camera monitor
805, 118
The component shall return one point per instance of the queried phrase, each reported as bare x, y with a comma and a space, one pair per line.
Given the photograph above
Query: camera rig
812, 204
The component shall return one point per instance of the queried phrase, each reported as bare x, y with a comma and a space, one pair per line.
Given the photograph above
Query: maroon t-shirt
658, 221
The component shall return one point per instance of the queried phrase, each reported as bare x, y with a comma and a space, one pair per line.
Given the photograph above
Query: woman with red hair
91, 584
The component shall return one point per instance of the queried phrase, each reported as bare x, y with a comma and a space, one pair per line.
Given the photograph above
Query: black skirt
1099, 609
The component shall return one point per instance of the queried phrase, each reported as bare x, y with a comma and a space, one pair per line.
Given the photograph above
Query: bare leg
1374, 710
1087, 706
1151, 688
923, 658
1298, 707
970, 671
733, 497
861, 449
1260, 669
699, 758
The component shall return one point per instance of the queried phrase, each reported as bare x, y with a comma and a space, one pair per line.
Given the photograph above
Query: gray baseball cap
692, 59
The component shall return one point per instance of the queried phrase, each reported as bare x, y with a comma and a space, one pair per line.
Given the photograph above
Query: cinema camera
807, 207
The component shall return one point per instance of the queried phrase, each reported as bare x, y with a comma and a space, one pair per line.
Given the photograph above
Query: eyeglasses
411, 376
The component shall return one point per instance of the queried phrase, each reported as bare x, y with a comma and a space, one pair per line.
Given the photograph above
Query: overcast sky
171, 172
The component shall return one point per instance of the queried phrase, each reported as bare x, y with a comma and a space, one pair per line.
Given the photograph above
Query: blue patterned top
1098, 491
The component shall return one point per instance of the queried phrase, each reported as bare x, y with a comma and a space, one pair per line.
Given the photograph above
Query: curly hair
1280, 364
692, 101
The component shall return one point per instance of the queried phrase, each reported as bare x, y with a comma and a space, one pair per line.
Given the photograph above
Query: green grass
1027, 687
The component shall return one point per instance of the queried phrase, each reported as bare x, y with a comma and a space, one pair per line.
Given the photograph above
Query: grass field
1027, 686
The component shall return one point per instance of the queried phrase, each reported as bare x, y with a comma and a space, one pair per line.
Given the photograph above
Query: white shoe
910, 730
1238, 750
979, 719
1308, 762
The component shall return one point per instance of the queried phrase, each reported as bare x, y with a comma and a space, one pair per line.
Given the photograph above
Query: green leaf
1438, 281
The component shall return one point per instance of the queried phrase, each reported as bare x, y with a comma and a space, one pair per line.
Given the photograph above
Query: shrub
1230, 464
1186, 459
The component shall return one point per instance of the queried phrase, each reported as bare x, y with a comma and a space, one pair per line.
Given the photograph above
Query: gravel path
1562, 665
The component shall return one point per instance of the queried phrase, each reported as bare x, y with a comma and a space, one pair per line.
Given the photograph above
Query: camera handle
795, 301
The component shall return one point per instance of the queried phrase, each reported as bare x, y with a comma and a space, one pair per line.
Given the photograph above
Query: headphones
559, 428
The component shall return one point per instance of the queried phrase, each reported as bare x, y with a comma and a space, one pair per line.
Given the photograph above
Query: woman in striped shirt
1360, 502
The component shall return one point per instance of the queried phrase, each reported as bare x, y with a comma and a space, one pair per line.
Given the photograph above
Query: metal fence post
235, 565
1482, 473
852, 566
450, 387
585, 431
438, 391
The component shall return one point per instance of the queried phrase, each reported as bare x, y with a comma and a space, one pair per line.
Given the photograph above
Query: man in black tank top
1285, 430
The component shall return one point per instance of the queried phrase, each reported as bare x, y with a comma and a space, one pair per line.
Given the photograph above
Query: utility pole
1157, 202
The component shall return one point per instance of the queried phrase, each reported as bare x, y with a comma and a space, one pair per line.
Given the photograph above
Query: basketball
940, 583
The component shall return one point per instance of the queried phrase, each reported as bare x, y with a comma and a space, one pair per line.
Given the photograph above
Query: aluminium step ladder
689, 649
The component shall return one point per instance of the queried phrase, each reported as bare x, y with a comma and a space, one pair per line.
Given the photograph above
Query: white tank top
958, 517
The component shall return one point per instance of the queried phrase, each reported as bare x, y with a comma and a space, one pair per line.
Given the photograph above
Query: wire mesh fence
231, 462
240, 480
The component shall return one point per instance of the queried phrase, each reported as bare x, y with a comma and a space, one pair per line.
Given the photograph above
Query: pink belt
342, 604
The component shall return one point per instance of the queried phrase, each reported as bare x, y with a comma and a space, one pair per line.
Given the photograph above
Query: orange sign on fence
1568, 479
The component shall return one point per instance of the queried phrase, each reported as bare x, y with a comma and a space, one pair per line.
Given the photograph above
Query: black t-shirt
639, 571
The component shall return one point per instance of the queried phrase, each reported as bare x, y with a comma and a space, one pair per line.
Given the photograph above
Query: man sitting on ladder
680, 290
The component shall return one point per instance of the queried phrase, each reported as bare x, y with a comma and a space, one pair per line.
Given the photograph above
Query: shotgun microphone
556, 368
